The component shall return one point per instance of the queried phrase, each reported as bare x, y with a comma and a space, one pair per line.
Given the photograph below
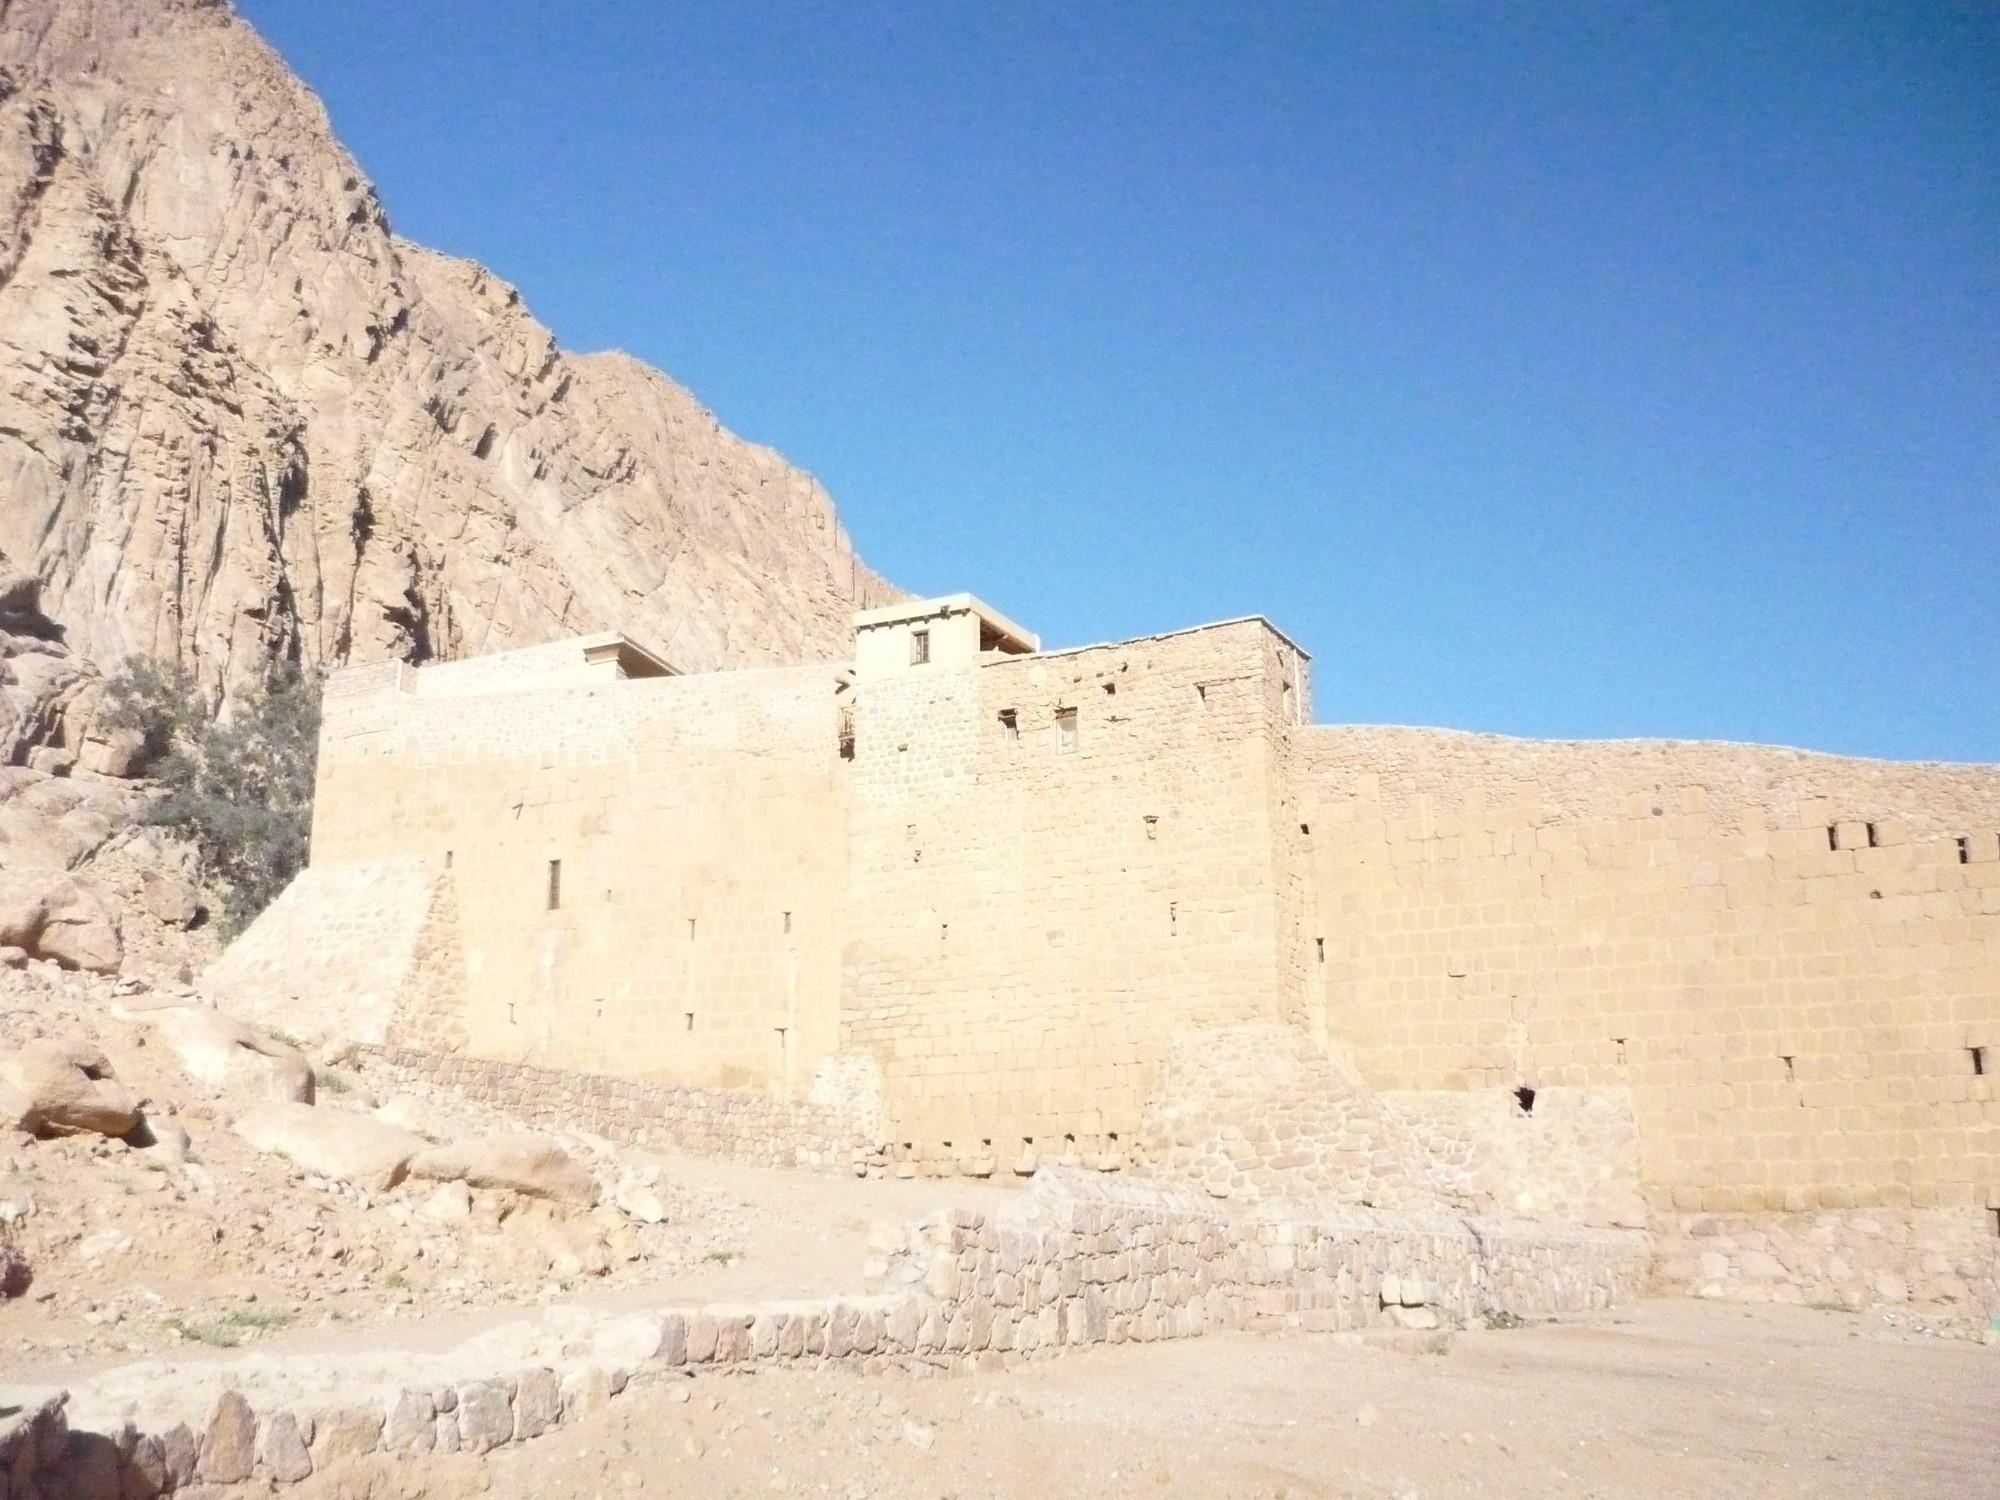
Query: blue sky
1554, 370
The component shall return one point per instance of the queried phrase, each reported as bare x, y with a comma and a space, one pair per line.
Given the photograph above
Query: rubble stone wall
1935, 1259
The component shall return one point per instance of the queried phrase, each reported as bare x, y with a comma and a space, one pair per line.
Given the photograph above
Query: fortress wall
1794, 1020
1025, 940
698, 822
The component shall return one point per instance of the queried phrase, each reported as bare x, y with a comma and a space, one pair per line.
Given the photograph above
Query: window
1978, 1061
844, 733
920, 647
555, 885
1065, 730
1010, 725
1964, 852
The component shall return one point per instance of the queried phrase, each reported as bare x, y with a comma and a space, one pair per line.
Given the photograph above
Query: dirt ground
1662, 1399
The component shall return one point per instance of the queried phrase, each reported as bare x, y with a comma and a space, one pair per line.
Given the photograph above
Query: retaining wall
1080, 1260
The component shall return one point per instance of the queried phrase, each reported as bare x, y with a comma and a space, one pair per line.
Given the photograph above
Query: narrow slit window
1833, 836
1978, 1061
1010, 726
1874, 839
690, 1020
1320, 943
1065, 730
920, 647
788, 921
844, 733
1964, 852
555, 885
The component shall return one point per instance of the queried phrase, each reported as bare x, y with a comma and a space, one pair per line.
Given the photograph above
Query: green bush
239, 789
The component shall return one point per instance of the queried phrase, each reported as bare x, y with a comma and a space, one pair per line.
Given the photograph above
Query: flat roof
924, 609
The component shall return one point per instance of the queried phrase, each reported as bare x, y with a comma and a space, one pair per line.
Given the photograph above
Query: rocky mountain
241, 420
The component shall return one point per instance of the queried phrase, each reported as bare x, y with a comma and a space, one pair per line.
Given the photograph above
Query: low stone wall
1945, 1262
1080, 1259
734, 1124
1092, 1259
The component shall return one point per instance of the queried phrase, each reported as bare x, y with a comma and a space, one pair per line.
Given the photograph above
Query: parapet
579, 661
954, 631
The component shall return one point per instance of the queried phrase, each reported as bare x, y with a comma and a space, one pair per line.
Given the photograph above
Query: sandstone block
485, 1416
537, 1403
281, 1449
229, 1446
410, 1422
344, 1433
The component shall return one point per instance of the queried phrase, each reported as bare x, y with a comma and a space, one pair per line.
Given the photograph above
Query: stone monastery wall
650, 873
1791, 960
1055, 861
988, 900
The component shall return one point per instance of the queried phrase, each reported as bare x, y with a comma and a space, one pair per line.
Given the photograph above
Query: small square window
1065, 730
920, 647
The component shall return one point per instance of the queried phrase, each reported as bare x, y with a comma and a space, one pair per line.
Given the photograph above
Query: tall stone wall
1055, 860
1788, 959
650, 874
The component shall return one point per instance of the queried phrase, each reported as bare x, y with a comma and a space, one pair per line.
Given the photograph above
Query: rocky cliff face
241, 420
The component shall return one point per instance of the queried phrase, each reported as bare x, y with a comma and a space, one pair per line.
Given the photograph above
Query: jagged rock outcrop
241, 420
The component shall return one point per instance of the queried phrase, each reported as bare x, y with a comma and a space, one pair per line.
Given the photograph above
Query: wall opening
1964, 852
1110, 689
1065, 730
1320, 943
1791, 1072
690, 1020
1996, 1220
920, 647
1833, 837
555, 885
447, 855
1619, 1043
690, 929
1152, 822
1525, 1097
1201, 693
1874, 839
1173, 919
510, 1014
1010, 724
788, 921
844, 733
1978, 1061
1306, 829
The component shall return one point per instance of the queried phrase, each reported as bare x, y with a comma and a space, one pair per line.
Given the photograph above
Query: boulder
24, 906
63, 1088
332, 1142
113, 752
240, 1061
406, 1112
81, 931
51, 914
169, 898
525, 1163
